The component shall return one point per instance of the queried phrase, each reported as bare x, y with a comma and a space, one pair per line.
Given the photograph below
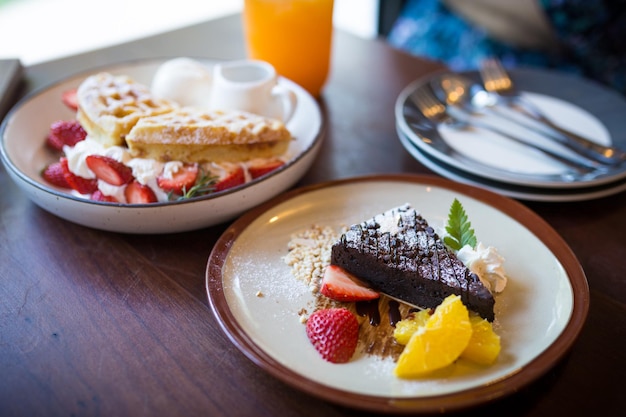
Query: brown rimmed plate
256, 299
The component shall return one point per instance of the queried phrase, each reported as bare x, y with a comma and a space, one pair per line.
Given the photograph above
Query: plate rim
537, 367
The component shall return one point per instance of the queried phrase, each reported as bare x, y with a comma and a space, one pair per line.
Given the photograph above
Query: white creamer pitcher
251, 86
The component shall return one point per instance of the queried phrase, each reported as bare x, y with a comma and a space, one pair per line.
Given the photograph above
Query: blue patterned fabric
592, 36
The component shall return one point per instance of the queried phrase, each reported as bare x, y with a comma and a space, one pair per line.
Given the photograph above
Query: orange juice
294, 36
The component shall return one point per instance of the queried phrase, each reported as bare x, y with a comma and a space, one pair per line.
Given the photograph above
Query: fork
439, 113
497, 80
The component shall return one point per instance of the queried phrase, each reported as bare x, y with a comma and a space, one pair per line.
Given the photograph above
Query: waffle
192, 135
109, 106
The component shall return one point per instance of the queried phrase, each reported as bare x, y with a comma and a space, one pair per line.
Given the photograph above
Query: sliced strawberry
137, 193
99, 196
65, 132
80, 184
109, 170
181, 181
262, 167
55, 175
334, 332
235, 177
70, 99
338, 284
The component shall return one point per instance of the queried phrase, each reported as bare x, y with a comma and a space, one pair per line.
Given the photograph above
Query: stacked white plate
482, 158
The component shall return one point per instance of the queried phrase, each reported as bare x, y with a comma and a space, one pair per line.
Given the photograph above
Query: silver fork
497, 80
439, 113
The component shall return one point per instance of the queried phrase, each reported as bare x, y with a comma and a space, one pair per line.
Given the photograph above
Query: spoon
460, 91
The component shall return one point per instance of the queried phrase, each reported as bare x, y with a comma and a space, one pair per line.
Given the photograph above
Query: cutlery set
524, 140
460, 103
440, 113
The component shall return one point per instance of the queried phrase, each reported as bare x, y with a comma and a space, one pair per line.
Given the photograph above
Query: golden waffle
192, 135
109, 106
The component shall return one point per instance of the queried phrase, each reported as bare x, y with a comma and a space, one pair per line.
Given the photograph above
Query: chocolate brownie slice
399, 254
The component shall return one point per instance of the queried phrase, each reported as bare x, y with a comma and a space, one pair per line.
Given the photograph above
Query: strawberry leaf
459, 228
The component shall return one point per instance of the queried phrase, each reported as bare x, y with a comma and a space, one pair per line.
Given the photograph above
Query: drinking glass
295, 36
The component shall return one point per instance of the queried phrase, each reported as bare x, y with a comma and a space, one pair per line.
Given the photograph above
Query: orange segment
439, 342
484, 345
405, 328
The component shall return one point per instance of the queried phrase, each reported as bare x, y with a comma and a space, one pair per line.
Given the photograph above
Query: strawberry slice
70, 99
262, 167
334, 332
99, 196
109, 170
181, 181
233, 178
137, 193
338, 284
80, 184
55, 175
65, 132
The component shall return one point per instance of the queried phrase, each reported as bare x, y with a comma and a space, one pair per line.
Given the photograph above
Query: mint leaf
459, 228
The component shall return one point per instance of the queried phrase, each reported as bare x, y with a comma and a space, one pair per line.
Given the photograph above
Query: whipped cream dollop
487, 263
144, 170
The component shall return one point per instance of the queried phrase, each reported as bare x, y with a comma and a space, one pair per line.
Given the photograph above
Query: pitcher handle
287, 99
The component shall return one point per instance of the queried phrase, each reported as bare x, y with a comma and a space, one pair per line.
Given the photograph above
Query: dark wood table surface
94, 323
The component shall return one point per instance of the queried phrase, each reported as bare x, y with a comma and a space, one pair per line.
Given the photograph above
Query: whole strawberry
334, 332
65, 132
55, 175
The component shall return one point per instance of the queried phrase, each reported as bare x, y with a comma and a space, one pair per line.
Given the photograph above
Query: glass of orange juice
295, 36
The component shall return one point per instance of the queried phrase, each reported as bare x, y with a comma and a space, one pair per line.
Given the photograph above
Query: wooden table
97, 323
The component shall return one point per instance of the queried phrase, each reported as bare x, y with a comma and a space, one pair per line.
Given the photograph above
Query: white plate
538, 316
581, 106
24, 155
511, 190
